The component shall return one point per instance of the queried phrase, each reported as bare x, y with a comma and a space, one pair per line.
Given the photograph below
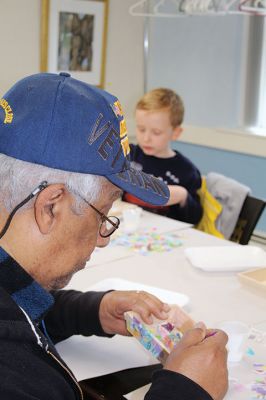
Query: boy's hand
178, 195
203, 360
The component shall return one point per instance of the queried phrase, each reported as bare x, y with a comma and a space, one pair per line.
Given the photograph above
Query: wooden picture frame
73, 38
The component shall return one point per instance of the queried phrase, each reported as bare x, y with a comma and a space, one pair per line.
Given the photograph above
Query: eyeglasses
108, 224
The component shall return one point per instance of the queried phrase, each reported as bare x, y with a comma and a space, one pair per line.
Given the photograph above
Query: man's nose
102, 241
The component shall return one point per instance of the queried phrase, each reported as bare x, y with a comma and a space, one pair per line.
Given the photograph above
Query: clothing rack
184, 8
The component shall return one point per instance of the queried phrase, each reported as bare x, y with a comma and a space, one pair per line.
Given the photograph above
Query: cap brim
144, 186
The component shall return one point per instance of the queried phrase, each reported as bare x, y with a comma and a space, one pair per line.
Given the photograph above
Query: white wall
19, 40
124, 66
20, 49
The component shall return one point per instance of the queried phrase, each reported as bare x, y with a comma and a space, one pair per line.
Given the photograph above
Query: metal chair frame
249, 216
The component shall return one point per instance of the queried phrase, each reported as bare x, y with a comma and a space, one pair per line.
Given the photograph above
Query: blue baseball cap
63, 123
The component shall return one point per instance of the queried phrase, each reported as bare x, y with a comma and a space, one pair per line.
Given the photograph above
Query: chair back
247, 220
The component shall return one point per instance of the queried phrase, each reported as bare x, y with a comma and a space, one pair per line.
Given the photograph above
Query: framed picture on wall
73, 38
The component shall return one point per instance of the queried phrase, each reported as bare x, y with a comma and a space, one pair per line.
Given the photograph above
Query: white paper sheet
122, 284
96, 356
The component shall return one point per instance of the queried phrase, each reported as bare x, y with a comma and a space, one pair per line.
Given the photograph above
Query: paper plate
226, 258
166, 296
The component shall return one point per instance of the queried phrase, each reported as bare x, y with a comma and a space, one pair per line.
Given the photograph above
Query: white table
148, 222
214, 297
162, 224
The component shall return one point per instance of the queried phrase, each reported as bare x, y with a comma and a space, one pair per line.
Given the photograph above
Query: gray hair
19, 178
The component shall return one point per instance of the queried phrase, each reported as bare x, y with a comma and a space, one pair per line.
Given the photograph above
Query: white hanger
257, 8
197, 7
137, 9
156, 8
229, 4
140, 3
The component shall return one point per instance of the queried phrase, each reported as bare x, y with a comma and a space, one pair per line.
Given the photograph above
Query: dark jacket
30, 367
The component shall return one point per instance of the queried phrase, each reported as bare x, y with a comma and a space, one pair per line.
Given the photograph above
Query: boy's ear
177, 132
48, 205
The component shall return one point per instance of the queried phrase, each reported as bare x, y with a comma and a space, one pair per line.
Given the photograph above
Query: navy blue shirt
176, 170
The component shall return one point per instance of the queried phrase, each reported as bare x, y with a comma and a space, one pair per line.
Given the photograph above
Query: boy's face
155, 132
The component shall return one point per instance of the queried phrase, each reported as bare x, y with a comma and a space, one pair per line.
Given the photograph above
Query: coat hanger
140, 9
134, 9
198, 7
257, 7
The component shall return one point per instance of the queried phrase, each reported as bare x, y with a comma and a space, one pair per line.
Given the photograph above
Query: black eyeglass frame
104, 218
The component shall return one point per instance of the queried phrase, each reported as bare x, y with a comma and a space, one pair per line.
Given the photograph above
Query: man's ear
48, 205
177, 132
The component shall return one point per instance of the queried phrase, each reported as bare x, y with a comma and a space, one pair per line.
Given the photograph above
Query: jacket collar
26, 292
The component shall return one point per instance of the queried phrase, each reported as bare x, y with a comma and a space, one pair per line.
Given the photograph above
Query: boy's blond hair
163, 99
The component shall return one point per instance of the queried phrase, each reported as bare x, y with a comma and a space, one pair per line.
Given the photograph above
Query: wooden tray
255, 278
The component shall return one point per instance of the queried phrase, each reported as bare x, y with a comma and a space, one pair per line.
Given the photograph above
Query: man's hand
203, 359
115, 304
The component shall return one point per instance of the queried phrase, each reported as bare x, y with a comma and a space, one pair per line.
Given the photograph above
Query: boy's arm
191, 212
178, 195
189, 209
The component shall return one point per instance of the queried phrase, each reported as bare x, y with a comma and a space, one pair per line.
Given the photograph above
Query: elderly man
63, 161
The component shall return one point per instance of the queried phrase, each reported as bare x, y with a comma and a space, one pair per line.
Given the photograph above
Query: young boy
159, 116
